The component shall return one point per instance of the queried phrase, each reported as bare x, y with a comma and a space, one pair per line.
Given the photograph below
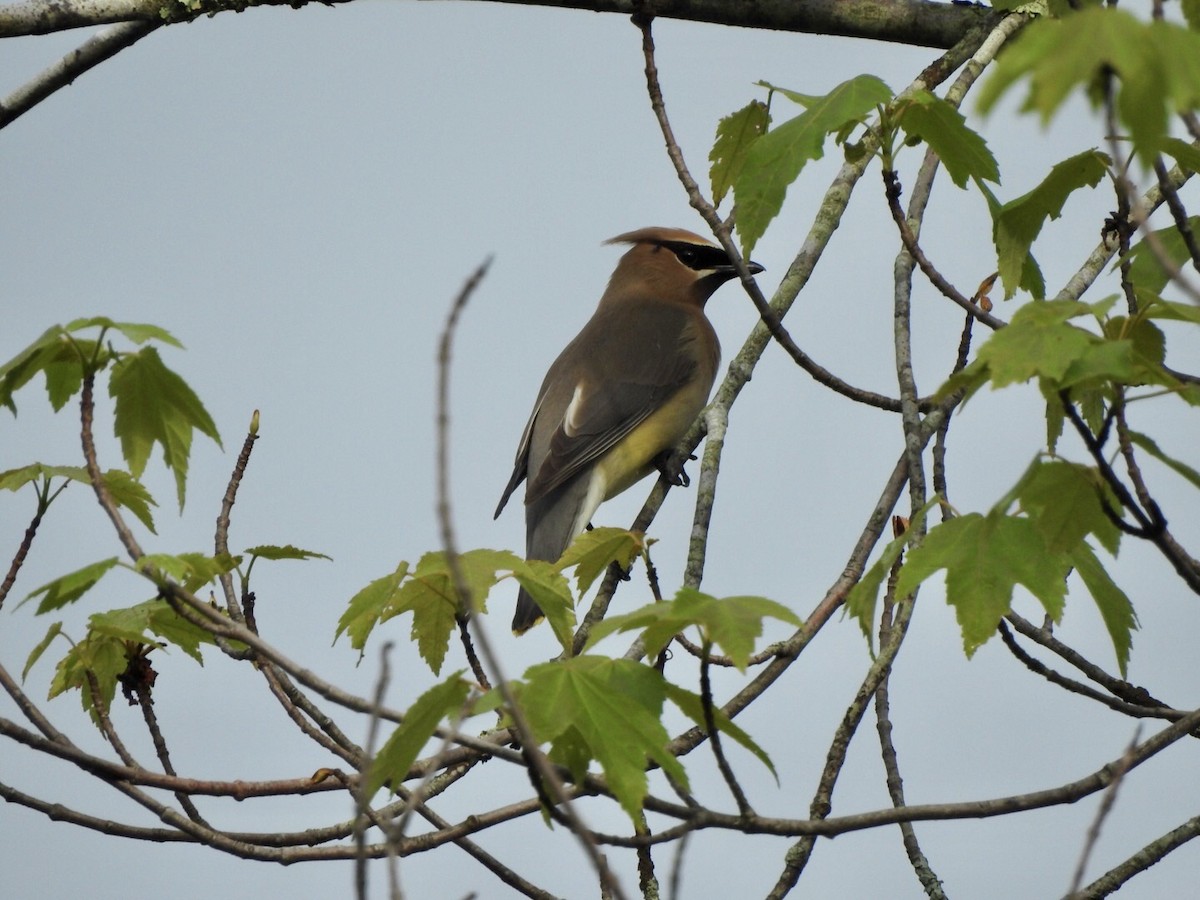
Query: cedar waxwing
623, 392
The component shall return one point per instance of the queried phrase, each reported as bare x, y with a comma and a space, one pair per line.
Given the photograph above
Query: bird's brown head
670, 264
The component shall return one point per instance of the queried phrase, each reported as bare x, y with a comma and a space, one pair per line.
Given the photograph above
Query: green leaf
1040, 343
391, 764
15, 479
734, 623
130, 493
1191, 12
429, 594
609, 710
1155, 307
1115, 608
192, 570
1185, 154
940, 125
1145, 270
140, 624
287, 551
370, 606
57, 356
1180, 468
593, 551
154, 405
122, 487
985, 557
1017, 223
551, 591
736, 133
860, 602
69, 588
36, 653
1156, 67
776, 159
92, 666
1062, 500
137, 332
692, 706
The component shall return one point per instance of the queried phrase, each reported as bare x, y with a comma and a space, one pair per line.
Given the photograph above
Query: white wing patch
574, 410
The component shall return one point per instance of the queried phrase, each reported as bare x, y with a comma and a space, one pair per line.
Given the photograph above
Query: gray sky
297, 196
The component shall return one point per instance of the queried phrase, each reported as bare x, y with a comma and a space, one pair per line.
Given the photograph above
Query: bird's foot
671, 469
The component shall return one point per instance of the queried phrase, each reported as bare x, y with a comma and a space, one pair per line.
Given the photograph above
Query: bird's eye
688, 256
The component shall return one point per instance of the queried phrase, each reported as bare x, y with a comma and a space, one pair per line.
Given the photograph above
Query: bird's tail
528, 613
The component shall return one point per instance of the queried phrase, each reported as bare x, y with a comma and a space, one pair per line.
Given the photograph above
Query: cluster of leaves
1151, 72
429, 592
757, 163
589, 708
152, 405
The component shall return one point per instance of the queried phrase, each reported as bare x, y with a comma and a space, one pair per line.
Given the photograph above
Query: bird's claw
671, 471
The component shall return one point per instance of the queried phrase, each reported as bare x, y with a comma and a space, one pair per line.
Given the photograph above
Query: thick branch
917, 22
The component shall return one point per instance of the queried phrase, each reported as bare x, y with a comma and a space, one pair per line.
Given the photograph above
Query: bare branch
95, 50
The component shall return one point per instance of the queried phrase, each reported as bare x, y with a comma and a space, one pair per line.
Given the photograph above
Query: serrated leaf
1156, 64
1180, 468
1145, 270
736, 133
692, 706
192, 570
939, 124
15, 479
1017, 223
1155, 307
370, 606
156, 406
1185, 154
551, 592
733, 623
1062, 500
92, 666
391, 764
593, 551
70, 587
55, 354
36, 653
776, 159
138, 332
1115, 608
125, 490
149, 620
1040, 343
985, 558
609, 710
429, 594
287, 551
130, 493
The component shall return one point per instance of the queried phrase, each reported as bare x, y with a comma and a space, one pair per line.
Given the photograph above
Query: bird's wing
625, 367
521, 463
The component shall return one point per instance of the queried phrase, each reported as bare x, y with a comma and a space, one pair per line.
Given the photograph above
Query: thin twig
1106, 804
540, 766
714, 740
1152, 853
362, 802
221, 537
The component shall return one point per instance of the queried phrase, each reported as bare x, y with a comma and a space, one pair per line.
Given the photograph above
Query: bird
622, 394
